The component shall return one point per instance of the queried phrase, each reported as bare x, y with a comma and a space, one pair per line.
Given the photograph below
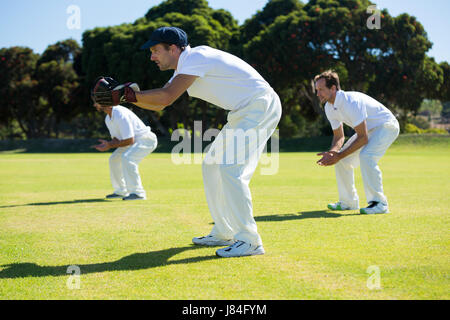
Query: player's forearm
148, 106
158, 99
155, 100
116, 143
337, 143
359, 142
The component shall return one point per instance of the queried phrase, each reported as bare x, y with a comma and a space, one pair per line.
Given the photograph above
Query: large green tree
21, 100
58, 82
40, 91
444, 91
405, 75
262, 19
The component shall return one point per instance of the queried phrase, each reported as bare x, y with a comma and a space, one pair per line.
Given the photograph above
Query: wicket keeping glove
107, 92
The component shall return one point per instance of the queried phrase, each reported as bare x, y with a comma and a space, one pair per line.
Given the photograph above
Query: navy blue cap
170, 35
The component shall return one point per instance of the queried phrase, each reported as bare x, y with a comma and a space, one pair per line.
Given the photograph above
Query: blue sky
36, 24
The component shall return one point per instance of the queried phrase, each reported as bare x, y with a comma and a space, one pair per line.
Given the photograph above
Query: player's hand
329, 158
103, 146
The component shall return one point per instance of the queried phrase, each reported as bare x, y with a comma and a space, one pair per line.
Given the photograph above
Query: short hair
331, 79
167, 46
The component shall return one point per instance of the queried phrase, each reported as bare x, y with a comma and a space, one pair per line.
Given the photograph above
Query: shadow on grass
304, 215
56, 203
136, 261
148, 260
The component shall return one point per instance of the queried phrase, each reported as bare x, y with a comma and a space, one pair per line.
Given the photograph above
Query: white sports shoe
212, 241
375, 208
339, 206
240, 249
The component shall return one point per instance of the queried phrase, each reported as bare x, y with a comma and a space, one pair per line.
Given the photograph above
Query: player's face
324, 93
98, 107
162, 57
102, 109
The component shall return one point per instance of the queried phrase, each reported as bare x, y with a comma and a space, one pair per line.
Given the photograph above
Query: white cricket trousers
380, 139
230, 163
123, 165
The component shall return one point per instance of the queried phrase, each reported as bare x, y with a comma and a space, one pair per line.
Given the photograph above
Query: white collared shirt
352, 108
124, 124
224, 79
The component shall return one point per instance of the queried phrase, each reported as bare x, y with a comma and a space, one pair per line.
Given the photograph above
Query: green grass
53, 215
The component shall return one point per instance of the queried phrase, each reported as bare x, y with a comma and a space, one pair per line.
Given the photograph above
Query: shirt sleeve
355, 111
335, 124
195, 64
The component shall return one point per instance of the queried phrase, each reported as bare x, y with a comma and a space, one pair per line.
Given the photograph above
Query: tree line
288, 42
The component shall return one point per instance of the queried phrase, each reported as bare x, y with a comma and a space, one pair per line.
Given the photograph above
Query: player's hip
262, 110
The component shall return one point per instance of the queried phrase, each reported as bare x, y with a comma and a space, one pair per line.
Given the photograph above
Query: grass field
53, 215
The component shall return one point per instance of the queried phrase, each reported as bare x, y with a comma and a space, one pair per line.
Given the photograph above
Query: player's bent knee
209, 167
128, 159
114, 158
347, 164
230, 171
367, 159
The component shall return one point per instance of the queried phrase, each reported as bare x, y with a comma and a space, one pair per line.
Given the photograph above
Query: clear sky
38, 23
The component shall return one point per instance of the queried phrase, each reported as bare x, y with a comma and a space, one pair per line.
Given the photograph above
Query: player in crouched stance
376, 129
230, 83
133, 141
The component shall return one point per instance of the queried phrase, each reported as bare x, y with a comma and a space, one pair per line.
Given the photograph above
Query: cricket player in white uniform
134, 141
255, 109
376, 129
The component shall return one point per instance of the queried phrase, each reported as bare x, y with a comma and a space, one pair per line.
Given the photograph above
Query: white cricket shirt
352, 108
224, 79
124, 124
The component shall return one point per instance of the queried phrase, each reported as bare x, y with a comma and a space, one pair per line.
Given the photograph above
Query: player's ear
173, 48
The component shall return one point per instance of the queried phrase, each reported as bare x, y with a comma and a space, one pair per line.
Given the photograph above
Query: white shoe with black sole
240, 249
375, 208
